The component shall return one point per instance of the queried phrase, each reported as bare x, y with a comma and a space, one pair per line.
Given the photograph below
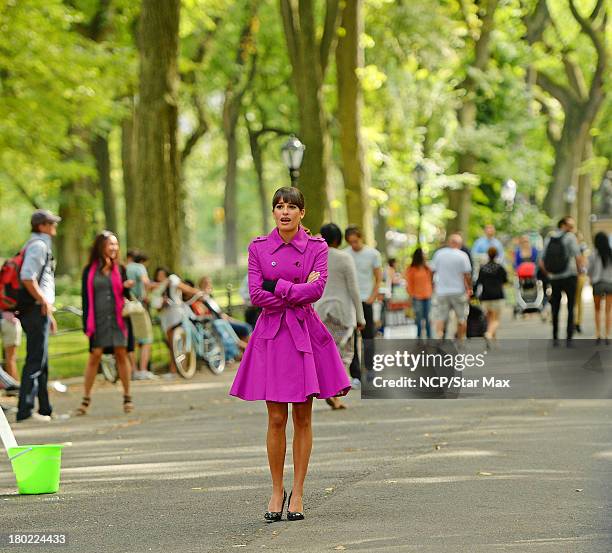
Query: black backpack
556, 257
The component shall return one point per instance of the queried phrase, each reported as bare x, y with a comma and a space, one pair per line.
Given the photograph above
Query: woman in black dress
105, 288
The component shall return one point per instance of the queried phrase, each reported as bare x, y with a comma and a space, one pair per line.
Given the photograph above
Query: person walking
340, 306
419, 284
369, 278
490, 291
35, 311
600, 275
581, 280
481, 247
452, 285
561, 263
104, 289
291, 356
524, 252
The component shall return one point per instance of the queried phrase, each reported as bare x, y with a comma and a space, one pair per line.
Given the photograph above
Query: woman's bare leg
125, 369
597, 302
93, 362
302, 446
608, 314
276, 443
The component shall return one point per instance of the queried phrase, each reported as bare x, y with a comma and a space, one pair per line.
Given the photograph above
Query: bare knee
302, 419
277, 421
95, 355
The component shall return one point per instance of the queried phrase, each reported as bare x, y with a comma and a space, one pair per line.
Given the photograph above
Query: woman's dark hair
602, 245
350, 230
332, 234
289, 194
391, 261
492, 253
418, 259
158, 270
141, 257
97, 249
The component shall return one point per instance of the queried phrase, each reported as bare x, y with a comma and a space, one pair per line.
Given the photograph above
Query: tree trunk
231, 111
156, 206
99, 148
257, 156
585, 190
349, 58
309, 58
460, 200
128, 161
569, 151
71, 247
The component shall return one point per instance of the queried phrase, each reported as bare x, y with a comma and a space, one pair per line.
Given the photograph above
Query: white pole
6, 433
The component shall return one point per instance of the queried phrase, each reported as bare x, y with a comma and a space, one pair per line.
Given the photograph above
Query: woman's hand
314, 275
129, 283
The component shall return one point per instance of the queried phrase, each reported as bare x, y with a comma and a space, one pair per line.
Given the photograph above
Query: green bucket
36, 468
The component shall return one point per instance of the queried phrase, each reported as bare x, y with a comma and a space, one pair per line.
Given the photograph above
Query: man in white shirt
452, 285
369, 277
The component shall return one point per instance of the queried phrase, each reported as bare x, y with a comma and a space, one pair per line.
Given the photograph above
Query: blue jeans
36, 369
421, 313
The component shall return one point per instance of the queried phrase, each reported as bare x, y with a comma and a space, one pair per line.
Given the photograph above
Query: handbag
132, 307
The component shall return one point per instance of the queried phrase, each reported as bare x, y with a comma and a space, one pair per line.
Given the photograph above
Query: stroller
528, 290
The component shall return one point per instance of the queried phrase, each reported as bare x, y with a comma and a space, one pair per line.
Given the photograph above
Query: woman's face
524, 242
287, 216
111, 248
160, 276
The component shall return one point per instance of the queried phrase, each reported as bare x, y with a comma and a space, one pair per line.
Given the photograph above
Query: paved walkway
187, 472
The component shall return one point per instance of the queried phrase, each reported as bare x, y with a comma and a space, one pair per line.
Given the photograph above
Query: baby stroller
528, 290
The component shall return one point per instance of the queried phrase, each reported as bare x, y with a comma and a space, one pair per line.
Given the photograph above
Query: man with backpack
35, 306
561, 263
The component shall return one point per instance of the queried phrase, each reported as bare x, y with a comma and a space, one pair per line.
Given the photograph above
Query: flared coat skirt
277, 368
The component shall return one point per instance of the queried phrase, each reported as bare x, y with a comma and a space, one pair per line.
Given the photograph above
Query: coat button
297, 263
273, 263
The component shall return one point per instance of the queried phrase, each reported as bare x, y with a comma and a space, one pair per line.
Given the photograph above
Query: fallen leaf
481, 473
580, 489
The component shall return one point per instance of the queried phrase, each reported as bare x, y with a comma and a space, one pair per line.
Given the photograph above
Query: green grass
69, 349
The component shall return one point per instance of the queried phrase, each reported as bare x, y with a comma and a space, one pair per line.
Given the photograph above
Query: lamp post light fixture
420, 173
570, 194
293, 153
508, 193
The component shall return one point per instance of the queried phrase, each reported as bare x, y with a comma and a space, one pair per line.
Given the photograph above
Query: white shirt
450, 265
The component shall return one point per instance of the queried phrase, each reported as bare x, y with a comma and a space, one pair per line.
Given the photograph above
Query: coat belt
295, 317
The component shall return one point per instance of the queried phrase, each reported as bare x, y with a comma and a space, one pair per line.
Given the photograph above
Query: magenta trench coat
291, 355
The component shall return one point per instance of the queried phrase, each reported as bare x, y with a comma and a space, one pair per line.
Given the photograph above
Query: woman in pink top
291, 357
420, 288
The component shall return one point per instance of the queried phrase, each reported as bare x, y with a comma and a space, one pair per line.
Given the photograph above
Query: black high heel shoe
293, 515
275, 516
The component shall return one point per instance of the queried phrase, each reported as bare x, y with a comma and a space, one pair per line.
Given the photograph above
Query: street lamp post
293, 153
420, 172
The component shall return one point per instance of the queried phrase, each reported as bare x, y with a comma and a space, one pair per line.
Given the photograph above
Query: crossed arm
282, 293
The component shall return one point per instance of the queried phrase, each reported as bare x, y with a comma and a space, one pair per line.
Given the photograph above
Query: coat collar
299, 241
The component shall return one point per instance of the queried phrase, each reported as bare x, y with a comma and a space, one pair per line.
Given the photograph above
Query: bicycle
196, 338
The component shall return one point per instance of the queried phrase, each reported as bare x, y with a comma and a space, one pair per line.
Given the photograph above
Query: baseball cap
42, 216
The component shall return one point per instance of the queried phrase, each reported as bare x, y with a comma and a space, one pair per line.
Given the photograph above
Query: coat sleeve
259, 296
306, 292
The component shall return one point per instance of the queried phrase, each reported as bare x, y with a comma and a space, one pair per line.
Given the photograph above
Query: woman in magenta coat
291, 357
